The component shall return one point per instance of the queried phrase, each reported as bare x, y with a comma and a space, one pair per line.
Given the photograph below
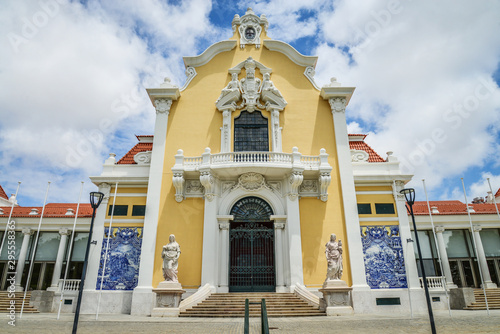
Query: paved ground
460, 322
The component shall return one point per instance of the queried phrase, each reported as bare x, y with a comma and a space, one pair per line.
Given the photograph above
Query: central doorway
251, 247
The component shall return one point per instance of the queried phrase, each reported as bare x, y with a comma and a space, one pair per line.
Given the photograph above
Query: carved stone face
250, 33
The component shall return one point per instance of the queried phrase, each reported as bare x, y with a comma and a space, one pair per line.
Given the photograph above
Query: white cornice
209, 53
291, 53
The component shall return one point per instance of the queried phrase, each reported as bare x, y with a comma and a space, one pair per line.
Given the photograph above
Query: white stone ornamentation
163, 106
333, 252
251, 182
338, 104
309, 187
295, 179
143, 158
178, 182
170, 255
359, 156
208, 182
250, 28
194, 187
324, 180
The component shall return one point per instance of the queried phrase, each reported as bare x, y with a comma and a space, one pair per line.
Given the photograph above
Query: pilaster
488, 284
223, 244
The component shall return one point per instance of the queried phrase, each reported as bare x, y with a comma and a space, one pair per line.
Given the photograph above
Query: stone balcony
230, 165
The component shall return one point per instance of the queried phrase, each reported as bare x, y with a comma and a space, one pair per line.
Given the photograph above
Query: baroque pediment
250, 92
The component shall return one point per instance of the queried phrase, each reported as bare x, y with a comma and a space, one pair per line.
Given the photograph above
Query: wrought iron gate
252, 257
251, 253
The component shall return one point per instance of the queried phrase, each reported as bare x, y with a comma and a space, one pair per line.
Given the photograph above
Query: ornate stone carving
229, 94
295, 180
324, 181
359, 156
229, 185
309, 186
250, 28
208, 182
250, 87
170, 255
279, 226
275, 185
163, 106
190, 74
270, 95
224, 226
251, 182
439, 229
333, 252
194, 187
309, 73
337, 104
178, 181
143, 158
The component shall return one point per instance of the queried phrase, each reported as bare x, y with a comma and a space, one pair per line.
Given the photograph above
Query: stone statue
170, 255
333, 253
250, 86
232, 86
268, 85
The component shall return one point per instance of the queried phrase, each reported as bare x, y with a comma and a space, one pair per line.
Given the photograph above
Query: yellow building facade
252, 169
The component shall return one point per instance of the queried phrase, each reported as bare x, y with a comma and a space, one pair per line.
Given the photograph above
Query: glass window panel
48, 244
79, 246
138, 210
455, 243
364, 208
425, 246
120, 210
491, 241
18, 241
384, 208
251, 132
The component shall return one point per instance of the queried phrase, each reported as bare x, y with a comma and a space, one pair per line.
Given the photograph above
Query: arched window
251, 132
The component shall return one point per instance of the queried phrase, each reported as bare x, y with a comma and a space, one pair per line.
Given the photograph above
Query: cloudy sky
72, 79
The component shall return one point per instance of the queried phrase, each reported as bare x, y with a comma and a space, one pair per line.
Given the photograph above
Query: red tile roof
497, 193
52, 210
361, 145
3, 194
453, 208
128, 159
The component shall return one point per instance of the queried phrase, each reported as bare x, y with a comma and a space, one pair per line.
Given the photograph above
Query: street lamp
410, 199
95, 201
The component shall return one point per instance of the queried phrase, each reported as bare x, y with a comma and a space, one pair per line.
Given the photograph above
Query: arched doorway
251, 247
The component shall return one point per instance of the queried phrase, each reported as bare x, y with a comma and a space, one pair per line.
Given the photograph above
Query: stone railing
250, 157
70, 285
434, 282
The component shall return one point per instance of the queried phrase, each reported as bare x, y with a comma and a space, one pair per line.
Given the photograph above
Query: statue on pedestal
333, 253
170, 255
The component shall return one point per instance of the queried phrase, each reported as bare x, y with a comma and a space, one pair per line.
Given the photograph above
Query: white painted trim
379, 219
387, 192
234, 196
124, 221
190, 74
290, 52
130, 195
209, 53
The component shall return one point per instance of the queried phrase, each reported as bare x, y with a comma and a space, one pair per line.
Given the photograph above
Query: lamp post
410, 199
95, 201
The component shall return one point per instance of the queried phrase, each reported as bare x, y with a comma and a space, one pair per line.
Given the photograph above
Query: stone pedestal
336, 298
168, 298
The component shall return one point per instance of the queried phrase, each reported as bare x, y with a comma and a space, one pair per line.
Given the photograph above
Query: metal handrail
263, 314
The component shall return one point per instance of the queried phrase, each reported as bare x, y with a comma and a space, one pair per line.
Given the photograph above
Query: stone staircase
233, 305
493, 296
5, 302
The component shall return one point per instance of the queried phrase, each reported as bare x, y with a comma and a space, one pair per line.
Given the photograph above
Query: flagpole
68, 259
10, 216
475, 247
28, 281
437, 246
110, 231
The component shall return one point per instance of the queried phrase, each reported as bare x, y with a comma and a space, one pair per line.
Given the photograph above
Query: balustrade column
64, 232
444, 257
27, 232
481, 257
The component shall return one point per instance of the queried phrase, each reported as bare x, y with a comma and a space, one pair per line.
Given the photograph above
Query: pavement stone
459, 322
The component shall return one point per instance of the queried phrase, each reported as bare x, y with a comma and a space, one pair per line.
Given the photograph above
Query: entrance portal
251, 250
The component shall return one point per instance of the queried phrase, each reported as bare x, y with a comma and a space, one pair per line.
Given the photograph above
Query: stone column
356, 256
224, 252
226, 131
444, 257
279, 226
143, 296
27, 232
64, 232
481, 257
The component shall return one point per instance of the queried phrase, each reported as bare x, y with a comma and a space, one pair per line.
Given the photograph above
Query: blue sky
73, 78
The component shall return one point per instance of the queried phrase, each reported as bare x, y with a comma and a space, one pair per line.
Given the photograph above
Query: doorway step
493, 296
5, 302
233, 305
